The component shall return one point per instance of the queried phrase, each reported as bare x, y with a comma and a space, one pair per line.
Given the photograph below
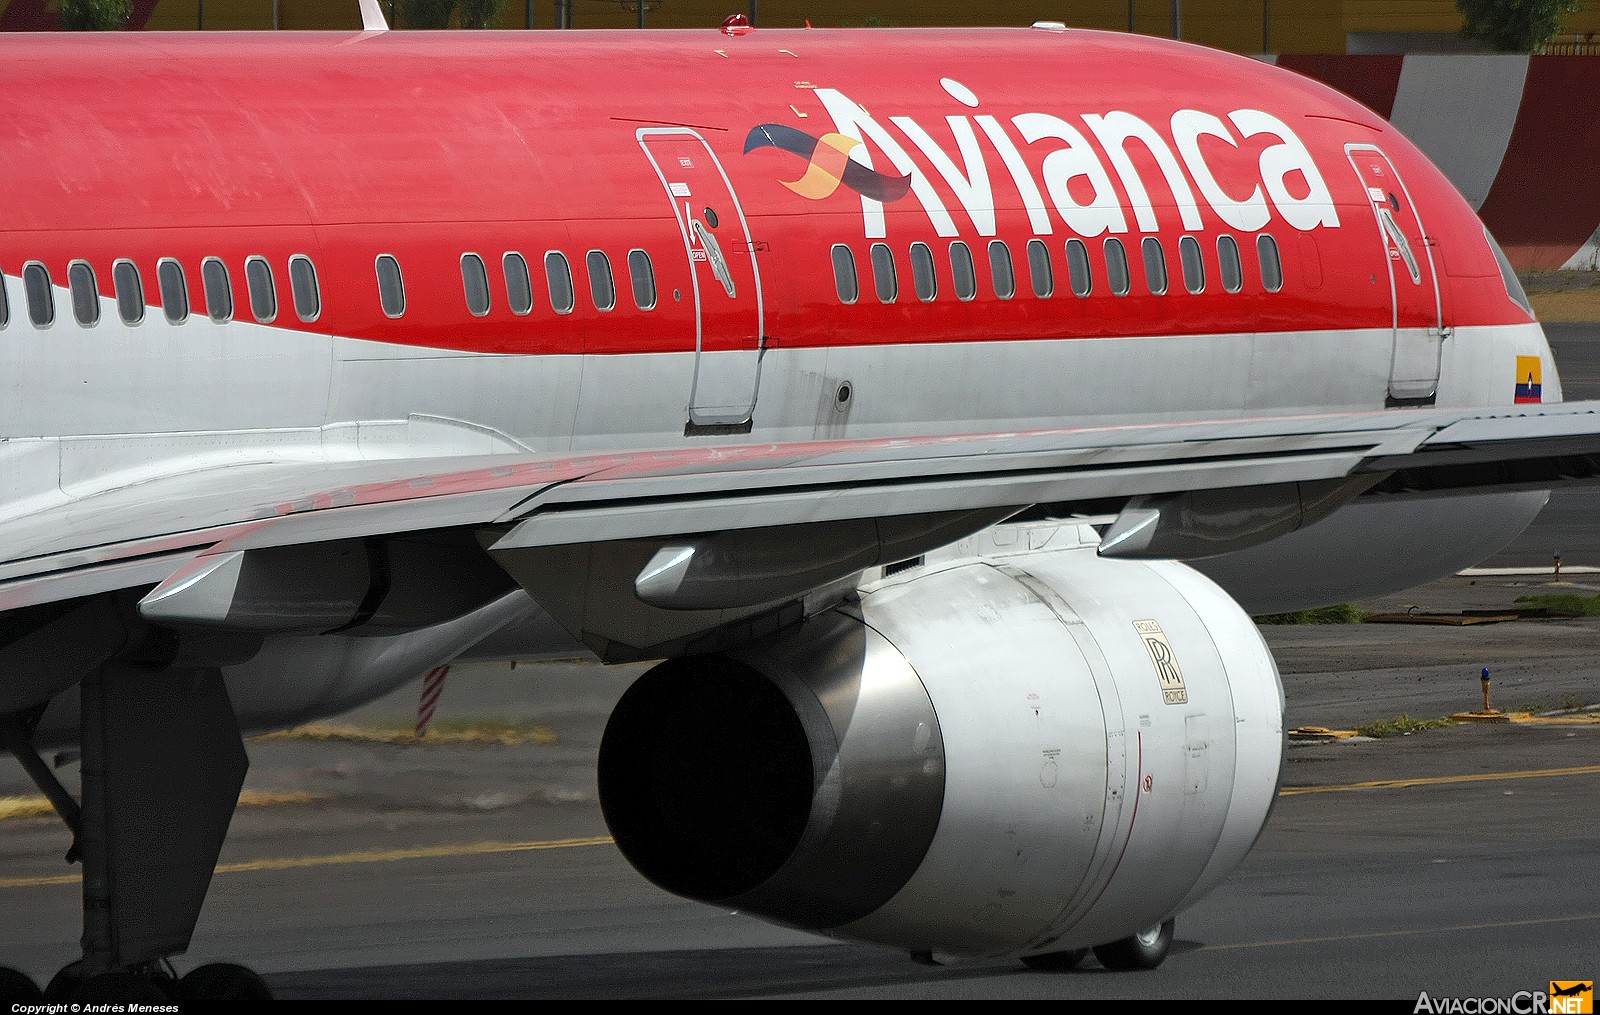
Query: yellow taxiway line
1441, 780
492, 847
1407, 932
353, 857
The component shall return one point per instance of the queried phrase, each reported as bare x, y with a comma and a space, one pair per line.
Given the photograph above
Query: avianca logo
829, 164
1073, 181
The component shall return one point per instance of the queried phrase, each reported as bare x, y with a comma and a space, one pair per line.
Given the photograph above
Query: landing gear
1144, 950
18, 986
163, 762
142, 984
223, 981
64, 985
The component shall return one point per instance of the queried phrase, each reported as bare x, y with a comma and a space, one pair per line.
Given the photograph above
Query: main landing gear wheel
18, 986
223, 981
1144, 950
64, 985
1056, 962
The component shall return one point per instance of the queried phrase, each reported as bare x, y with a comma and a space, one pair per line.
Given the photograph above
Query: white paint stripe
1493, 572
1461, 110
1588, 256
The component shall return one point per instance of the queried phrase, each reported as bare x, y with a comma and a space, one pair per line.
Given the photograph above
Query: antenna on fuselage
372, 19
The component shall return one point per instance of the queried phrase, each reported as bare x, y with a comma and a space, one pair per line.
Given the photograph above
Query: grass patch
1401, 724
1567, 604
1343, 613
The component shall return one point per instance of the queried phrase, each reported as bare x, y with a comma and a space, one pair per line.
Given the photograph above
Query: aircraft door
726, 276
1417, 322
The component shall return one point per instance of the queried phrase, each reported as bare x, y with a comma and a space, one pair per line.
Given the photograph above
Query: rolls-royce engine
991, 757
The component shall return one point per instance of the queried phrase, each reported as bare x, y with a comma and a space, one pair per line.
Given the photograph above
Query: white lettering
1278, 161
1285, 168
1038, 219
972, 188
1114, 130
1187, 127
1103, 213
852, 121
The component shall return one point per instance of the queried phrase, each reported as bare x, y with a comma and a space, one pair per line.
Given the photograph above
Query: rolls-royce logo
1166, 662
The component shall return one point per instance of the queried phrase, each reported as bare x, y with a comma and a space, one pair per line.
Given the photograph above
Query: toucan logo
829, 164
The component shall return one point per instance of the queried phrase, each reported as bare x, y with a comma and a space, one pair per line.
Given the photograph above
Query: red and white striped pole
432, 686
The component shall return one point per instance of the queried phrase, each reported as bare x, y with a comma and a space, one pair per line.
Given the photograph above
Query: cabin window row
558, 277
1041, 268
172, 282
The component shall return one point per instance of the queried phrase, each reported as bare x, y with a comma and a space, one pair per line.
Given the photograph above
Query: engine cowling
997, 757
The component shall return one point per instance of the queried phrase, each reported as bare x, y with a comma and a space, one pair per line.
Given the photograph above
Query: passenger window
1078, 268
1005, 277
262, 287
391, 285
475, 280
519, 284
844, 274
174, 290
558, 274
883, 275
303, 286
922, 273
1194, 266
130, 291
1155, 265
41, 294
965, 273
85, 293
1044, 276
643, 276
1271, 266
1117, 268
219, 289
602, 286
5, 302
1228, 259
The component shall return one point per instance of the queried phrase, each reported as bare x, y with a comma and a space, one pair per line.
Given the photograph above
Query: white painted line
1491, 572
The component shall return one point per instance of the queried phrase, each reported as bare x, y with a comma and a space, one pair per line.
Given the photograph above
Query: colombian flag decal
1528, 386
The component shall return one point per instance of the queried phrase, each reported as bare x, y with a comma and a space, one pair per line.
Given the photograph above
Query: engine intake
1000, 757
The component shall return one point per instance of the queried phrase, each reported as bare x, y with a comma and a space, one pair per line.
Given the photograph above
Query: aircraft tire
16, 985
64, 985
1144, 950
223, 981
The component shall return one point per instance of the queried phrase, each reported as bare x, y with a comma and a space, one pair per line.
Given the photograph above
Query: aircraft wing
140, 533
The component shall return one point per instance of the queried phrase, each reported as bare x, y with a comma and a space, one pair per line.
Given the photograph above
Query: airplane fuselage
190, 166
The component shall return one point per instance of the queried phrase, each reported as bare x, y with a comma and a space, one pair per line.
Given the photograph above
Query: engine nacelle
998, 757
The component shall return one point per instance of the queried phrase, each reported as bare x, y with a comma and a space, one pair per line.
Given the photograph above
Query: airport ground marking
1407, 932
1441, 780
353, 857
36, 806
